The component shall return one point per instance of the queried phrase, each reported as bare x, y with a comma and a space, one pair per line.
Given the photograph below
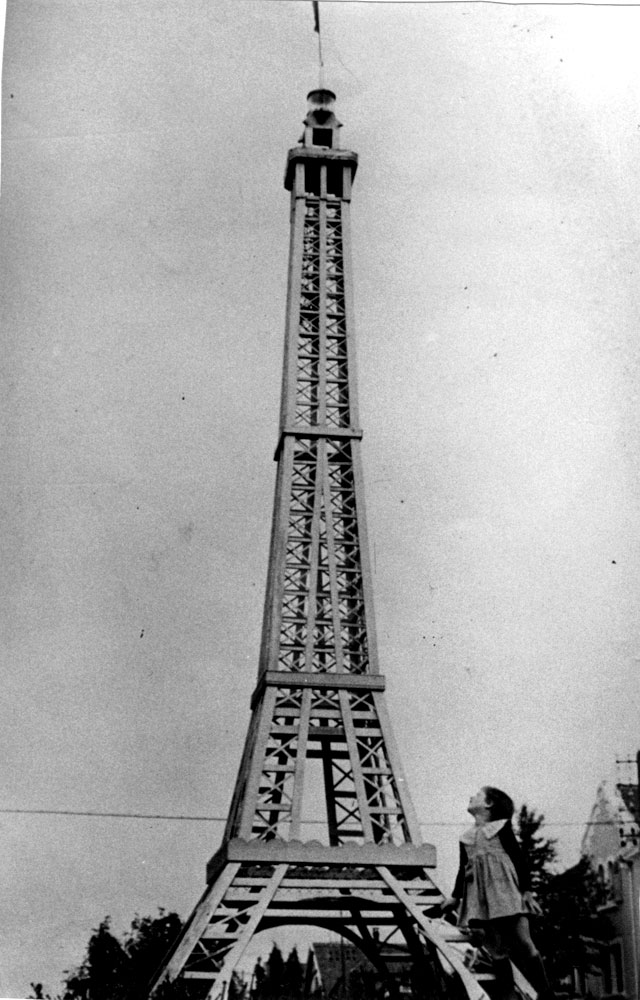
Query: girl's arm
458, 889
451, 902
513, 849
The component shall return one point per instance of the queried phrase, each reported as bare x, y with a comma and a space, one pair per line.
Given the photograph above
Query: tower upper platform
320, 140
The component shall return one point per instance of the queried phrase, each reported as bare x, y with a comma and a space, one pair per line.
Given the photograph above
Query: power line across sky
223, 819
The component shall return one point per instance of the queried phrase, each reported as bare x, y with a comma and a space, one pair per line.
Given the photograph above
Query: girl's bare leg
523, 945
510, 936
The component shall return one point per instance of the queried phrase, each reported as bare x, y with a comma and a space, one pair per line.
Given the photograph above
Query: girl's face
478, 805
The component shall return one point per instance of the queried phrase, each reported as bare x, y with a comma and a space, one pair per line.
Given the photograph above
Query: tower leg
473, 989
382, 909
222, 925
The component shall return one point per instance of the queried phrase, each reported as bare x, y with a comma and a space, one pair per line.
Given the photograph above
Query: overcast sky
496, 223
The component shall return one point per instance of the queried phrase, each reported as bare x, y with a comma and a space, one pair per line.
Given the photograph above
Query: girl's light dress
491, 887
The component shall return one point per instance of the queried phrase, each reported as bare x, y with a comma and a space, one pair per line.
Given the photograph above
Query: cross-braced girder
342, 728
322, 378
323, 626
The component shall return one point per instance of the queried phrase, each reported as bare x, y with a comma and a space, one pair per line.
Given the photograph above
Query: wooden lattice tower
319, 727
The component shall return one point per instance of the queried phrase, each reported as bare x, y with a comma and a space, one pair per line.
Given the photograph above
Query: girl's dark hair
499, 804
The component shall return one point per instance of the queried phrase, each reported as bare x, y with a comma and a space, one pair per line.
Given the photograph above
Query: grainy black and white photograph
320, 500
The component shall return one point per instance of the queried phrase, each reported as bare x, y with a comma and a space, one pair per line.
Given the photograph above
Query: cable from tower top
316, 28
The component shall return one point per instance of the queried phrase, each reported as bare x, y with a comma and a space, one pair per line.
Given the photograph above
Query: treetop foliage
539, 850
119, 970
278, 979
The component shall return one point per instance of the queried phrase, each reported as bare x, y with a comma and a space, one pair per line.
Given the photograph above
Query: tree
571, 927
257, 981
146, 944
104, 971
275, 974
277, 979
121, 970
38, 992
574, 926
238, 987
539, 851
293, 978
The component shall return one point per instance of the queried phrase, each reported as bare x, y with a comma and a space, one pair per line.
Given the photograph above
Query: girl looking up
492, 890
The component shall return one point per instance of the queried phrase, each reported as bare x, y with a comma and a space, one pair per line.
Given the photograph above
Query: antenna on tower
316, 27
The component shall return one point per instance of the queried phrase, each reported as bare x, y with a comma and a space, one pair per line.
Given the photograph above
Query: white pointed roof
615, 808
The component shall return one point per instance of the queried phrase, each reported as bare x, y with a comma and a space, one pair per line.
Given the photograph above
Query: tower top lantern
321, 124
321, 97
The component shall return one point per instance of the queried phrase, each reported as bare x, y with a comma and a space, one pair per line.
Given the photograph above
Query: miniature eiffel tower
319, 728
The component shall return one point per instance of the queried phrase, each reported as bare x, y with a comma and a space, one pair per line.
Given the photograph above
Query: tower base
377, 896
